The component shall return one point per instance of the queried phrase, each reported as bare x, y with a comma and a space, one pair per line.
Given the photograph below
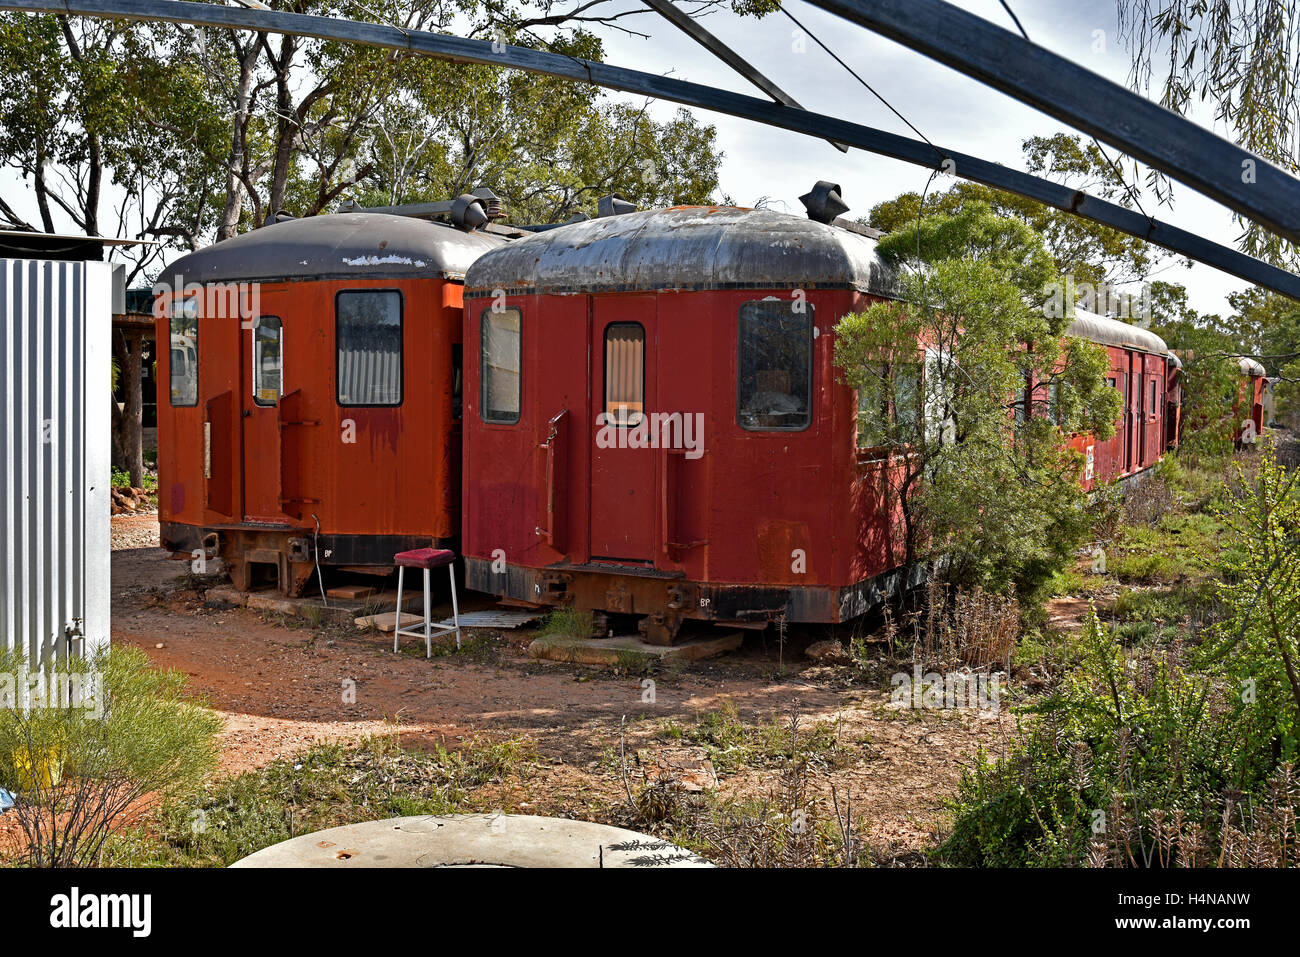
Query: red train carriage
1141, 369
1173, 400
654, 426
314, 375
1249, 406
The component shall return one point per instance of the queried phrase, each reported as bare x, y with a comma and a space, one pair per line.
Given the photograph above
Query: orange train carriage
313, 411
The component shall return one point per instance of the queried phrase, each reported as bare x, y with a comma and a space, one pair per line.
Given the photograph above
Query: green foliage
1089, 252
569, 623
1238, 58
1173, 737
330, 785
551, 148
733, 745
995, 492
207, 132
75, 771
1259, 640
1126, 735
122, 479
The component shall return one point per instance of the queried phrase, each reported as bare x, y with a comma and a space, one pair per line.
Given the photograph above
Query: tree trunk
132, 414
237, 161
128, 432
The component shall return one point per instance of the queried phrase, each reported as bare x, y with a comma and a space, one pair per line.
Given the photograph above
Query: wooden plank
384, 621
352, 592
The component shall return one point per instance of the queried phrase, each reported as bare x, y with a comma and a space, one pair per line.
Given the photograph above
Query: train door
1126, 421
1140, 380
262, 386
1132, 391
622, 375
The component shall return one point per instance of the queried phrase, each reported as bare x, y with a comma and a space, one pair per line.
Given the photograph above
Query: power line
1118, 172
856, 76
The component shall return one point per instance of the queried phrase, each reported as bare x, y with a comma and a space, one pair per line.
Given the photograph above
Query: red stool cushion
425, 558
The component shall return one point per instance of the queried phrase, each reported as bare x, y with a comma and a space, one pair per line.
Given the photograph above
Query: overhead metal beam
1237, 178
461, 50
695, 30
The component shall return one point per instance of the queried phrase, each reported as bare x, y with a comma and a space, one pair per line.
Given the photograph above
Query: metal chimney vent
823, 202
614, 205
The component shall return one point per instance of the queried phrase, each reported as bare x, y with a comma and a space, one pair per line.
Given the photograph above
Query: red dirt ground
279, 688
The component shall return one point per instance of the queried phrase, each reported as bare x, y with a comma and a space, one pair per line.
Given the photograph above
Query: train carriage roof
686, 248
1249, 367
1114, 332
336, 246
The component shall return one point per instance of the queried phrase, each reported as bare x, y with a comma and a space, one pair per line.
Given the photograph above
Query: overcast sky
951, 110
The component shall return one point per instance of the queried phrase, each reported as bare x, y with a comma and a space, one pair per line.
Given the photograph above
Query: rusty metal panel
54, 478
685, 248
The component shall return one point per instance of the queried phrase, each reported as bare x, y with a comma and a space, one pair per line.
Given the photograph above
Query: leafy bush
1258, 643
80, 764
1142, 734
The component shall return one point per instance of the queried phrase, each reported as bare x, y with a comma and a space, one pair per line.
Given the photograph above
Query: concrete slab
474, 840
488, 618
341, 610
615, 651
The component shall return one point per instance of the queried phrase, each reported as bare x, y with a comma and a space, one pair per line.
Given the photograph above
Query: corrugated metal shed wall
55, 357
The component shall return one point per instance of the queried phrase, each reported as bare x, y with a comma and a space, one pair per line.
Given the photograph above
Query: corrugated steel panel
54, 438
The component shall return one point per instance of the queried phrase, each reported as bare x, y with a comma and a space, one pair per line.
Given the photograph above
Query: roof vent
278, 216
614, 205
824, 203
467, 212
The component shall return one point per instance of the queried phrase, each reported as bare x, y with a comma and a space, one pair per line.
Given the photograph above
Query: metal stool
426, 558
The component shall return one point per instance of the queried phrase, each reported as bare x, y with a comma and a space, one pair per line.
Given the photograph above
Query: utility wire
1118, 172
857, 77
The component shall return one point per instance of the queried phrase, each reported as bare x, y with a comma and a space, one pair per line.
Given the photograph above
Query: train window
624, 373
268, 385
774, 374
183, 361
500, 356
873, 407
890, 405
1151, 409
368, 334
907, 400
457, 376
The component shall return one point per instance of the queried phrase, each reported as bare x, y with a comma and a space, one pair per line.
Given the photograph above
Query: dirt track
280, 689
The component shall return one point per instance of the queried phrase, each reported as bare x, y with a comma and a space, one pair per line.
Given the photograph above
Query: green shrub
1126, 739
77, 769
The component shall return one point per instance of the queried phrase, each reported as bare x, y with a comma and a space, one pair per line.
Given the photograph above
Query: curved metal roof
684, 248
335, 246
1114, 332
1250, 366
